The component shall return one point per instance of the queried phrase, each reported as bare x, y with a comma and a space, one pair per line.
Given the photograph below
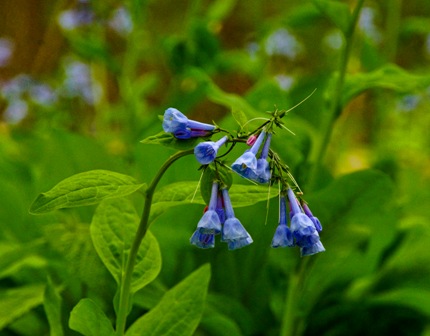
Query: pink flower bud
251, 140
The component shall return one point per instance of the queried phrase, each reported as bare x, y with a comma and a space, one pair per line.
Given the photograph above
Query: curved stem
125, 286
336, 104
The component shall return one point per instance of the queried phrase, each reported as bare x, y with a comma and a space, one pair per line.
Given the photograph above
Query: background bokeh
82, 82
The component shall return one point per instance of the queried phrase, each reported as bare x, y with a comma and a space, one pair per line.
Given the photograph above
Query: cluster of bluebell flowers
217, 219
304, 227
259, 164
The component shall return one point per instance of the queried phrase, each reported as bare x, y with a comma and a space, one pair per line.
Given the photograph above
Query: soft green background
364, 167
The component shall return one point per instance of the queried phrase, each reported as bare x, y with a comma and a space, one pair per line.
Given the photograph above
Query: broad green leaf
88, 319
52, 304
389, 77
84, 189
168, 140
338, 13
18, 301
113, 228
179, 311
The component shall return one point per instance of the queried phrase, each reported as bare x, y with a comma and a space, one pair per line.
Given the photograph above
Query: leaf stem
336, 104
125, 286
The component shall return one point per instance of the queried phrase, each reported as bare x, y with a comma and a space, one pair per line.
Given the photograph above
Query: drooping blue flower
314, 219
233, 231
175, 121
283, 236
206, 152
302, 227
202, 240
246, 164
262, 173
313, 249
210, 222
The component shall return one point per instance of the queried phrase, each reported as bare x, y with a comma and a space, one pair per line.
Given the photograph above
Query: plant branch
125, 286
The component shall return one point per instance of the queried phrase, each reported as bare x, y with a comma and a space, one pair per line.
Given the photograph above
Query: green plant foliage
85, 189
18, 301
52, 305
338, 12
113, 227
180, 309
88, 319
389, 77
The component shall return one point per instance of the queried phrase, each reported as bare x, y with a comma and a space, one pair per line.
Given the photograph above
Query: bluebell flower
314, 219
206, 152
210, 222
175, 121
313, 249
262, 173
246, 164
283, 236
202, 240
233, 231
302, 227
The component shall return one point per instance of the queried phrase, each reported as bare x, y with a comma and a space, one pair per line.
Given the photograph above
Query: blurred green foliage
83, 82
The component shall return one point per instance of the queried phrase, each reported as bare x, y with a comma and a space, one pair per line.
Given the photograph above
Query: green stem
125, 286
336, 103
291, 322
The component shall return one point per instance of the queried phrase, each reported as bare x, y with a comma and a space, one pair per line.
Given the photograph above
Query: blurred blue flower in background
6, 51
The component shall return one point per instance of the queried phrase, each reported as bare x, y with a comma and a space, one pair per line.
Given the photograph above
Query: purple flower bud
251, 140
206, 152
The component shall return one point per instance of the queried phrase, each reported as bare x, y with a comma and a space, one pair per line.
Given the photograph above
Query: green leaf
18, 301
168, 140
86, 188
179, 311
88, 319
15, 257
389, 77
52, 305
240, 117
338, 13
113, 228
415, 298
